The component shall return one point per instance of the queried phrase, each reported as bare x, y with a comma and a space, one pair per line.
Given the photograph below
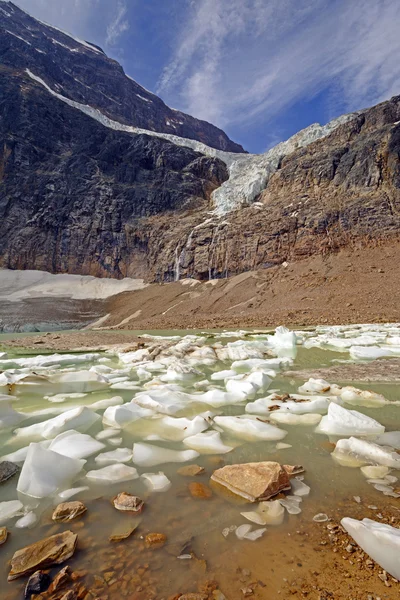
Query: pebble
155, 540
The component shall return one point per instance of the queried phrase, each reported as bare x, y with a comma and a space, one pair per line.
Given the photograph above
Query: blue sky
260, 69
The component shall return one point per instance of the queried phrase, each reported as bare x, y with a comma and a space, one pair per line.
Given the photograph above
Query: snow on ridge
17, 36
248, 173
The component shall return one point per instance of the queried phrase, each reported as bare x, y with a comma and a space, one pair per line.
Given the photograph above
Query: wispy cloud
246, 60
118, 25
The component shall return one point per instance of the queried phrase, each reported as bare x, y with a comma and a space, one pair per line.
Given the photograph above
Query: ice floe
121, 455
9, 510
75, 444
80, 418
156, 482
208, 442
340, 421
116, 473
147, 455
355, 452
250, 429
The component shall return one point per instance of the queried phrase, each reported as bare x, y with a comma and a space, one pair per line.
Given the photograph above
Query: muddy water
286, 553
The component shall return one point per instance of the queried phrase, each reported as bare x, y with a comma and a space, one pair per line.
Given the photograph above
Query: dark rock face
7, 470
37, 583
73, 193
82, 72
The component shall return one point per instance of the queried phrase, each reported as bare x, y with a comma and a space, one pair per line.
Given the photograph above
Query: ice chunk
75, 444
45, 471
80, 381
260, 363
106, 434
266, 513
59, 398
380, 541
218, 398
122, 416
71, 492
241, 387
10, 509
259, 379
250, 429
113, 474
244, 532
368, 352
8, 416
262, 406
207, 443
121, 455
115, 441
291, 503
27, 521
365, 452
147, 455
320, 518
80, 418
179, 372
283, 338
282, 446
287, 418
100, 404
340, 421
371, 472
299, 488
352, 395
389, 438
18, 456
300, 406
164, 401
222, 375
315, 386
177, 429
157, 482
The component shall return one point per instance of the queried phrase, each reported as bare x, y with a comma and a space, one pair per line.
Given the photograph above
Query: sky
259, 69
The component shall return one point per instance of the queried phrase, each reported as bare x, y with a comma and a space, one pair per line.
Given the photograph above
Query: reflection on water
193, 526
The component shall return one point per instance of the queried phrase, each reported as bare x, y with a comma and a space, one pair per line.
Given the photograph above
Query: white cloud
118, 25
246, 60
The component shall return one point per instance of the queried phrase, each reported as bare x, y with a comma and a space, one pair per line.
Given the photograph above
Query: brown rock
70, 595
293, 470
37, 583
67, 511
155, 540
43, 554
128, 502
3, 535
253, 481
119, 537
60, 580
200, 490
193, 596
190, 470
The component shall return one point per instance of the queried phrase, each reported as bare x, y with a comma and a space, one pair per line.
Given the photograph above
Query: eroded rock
155, 540
190, 470
128, 502
67, 511
37, 583
253, 481
7, 470
3, 535
200, 490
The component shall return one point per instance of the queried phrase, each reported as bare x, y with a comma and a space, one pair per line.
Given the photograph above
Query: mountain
83, 73
91, 183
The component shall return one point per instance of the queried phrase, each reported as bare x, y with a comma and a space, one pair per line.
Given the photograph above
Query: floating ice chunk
352, 395
340, 421
105, 434
121, 455
259, 379
27, 521
75, 444
147, 455
45, 471
368, 352
315, 386
80, 381
266, 513
177, 429
222, 375
125, 385
124, 415
240, 386
301, 406
299, 488
18, 456
380, 541
164, 401
242, 531
179, 372
157, 482
389, 438
250, 429
364, 453
116, 473
371, 472
218, 398
58, 398
100, 404
8, 416
48, 360
254, 535
282, 446
262, 406
287, 418
9, 510
283, 338
320, 518
207, 443
71, 492
80, 418
291, 503
260, 363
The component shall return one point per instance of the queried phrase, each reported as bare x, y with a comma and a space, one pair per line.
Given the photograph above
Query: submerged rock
128, 502
37, 583
253, 481
155, 540
199, 490
3, 535
67, 511
7, 470
190, 470
51, 551
120, 537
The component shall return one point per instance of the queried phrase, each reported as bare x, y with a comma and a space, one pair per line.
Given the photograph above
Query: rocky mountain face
83, 190
83, 73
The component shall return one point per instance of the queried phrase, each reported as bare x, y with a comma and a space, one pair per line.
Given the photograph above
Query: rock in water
51, 551
37, 583
67, 511
155, 540
199, 490
380, 541
190, 470
3, 535
253, 481
128, 502
7, 470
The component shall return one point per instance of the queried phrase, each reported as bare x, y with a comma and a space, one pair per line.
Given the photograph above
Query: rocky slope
83, 73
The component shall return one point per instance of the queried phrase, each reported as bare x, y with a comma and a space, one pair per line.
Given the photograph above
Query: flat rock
37, 583
7, 470
51, 551
200, 490
3, 535
67, 511
253, 481
119, 537
190, 470
293, 470
155, 540
128, 502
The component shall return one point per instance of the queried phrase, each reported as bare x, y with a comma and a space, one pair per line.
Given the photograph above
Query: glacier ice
208, 442
80, 418
148, 455
116, 473
250, 429
75, 444
10, 509
157, 482
122, 416
121, 455
287, 418
340, 421
266, 513
364, 452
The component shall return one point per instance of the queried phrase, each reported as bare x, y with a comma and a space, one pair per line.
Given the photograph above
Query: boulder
7, 470
128, 502
67, 511
51, 551
253, 481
